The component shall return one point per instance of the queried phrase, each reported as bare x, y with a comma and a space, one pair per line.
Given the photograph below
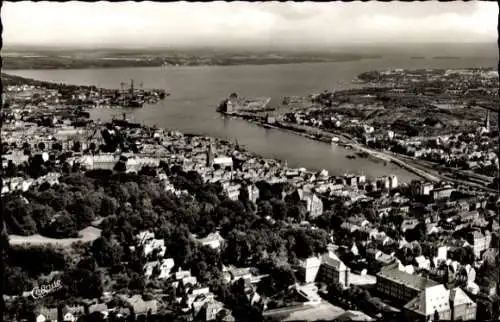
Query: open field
323, 311
88, 234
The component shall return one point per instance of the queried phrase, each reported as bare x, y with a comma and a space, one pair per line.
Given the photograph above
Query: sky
136, 24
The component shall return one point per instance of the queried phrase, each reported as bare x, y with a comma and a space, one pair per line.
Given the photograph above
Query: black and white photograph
249, 161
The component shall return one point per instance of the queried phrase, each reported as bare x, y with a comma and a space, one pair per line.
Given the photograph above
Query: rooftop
333, 262
435, 298
415, 282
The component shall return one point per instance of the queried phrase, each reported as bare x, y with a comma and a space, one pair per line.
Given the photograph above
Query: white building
232, 191
223, 162
213, 240
393, 182
311, 268
166, 266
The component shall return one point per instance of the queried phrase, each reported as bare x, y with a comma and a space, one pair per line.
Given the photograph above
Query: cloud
221, 23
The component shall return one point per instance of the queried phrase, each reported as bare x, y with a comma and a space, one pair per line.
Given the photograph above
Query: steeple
210, 155
487, 121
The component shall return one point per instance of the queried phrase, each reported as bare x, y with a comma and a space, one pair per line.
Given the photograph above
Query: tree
298, 212
77, 146
416, 249
17, 281
137, 282
282, 277
120, 166
11, 170
106, 253
63, 226
57, 146
414, 188
279, 209
109, 206
48, 259
335, 289
18, 217
83, 281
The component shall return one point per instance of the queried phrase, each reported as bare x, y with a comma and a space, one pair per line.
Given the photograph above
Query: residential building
210, 309
144, 236
166, 266
451, 305
327, 268
393, 181
384, 183
462, 307
47, 314
479, 241
314, 205
426, 188
238, 273
223, 162
180, 274
139, 306
442, 252
333, 270
149, 268
72, 313
310, 268
409, 224
102, 161
351, 180
232, 191
442, 193
213, 240
155, 245
253, 193
397, 284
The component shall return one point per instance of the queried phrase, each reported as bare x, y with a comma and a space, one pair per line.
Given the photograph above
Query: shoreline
349, 146
419, 170
171, 65
319, 135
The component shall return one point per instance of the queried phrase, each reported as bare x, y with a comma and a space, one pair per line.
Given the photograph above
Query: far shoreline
132, 66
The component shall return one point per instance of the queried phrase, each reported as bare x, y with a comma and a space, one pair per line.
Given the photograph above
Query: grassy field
88, 234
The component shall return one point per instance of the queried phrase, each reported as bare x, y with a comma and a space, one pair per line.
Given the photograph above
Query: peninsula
66, 59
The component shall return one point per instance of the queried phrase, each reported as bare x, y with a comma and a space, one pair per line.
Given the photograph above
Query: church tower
210, 155
487, 121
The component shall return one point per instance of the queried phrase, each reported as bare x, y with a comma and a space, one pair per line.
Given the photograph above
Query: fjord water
196, 91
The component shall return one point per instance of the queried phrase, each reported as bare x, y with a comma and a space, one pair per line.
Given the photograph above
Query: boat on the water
351, 156
133, 103
363, 154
